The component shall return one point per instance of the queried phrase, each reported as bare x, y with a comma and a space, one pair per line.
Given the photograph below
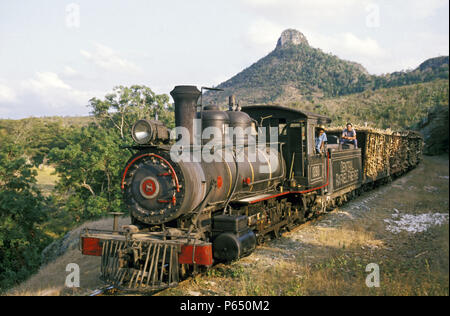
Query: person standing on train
321, 140
349, 136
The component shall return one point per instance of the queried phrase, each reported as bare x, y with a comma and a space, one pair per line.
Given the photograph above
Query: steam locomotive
213, 196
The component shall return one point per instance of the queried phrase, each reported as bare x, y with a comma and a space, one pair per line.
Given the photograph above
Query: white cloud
424, 9
45, 93
69, 71
340, 27
46, 80
308, 9
304, 5
308, 16
348, 44
319, 10
364, 50
432, 42
410, 53
7, 94
264, 32
367, 47
53, 92
108, 59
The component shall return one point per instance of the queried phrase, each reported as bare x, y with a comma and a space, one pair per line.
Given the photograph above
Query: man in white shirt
349, 136
320, 140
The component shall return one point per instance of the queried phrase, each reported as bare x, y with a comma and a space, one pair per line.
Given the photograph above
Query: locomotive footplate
253, 199
150, 261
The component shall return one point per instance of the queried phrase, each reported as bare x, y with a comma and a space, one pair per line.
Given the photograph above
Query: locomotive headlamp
146, 132
142, 132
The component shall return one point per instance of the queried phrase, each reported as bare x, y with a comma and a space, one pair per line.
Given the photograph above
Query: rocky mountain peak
291, 37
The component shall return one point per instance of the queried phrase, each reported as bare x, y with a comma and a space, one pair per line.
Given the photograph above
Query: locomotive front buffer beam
151, 260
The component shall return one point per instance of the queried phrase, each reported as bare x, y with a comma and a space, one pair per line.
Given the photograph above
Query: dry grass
345, 238
341, 272
50, 279
46, 179
329, 257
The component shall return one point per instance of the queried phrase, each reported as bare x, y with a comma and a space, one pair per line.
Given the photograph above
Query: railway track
111, 290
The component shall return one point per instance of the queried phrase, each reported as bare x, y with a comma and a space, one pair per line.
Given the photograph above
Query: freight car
189, 213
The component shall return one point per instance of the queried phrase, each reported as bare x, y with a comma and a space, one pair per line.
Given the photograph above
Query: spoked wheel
260, 239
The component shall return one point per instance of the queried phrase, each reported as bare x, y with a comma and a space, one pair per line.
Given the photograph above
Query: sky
55, 55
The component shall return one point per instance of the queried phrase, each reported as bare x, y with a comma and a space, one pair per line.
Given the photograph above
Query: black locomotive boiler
189, 213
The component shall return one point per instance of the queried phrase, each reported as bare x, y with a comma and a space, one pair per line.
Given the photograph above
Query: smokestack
185, 98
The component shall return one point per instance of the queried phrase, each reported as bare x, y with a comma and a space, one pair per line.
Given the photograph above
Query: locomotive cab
297, 131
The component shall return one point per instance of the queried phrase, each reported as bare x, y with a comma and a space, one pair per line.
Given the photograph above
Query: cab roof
257, 112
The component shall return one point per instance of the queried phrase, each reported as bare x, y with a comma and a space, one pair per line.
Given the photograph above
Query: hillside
431, 69
64, 121
395, 108
435, 130
295, 71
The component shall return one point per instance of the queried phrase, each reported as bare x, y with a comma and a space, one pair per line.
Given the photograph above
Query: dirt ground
402, 227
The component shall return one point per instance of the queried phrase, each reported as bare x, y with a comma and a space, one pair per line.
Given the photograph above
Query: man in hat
321, 139
349, 136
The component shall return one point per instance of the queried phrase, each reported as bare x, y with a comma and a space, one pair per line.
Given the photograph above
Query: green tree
91, 163
125, 105
89, 168
37, 136
21, 212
